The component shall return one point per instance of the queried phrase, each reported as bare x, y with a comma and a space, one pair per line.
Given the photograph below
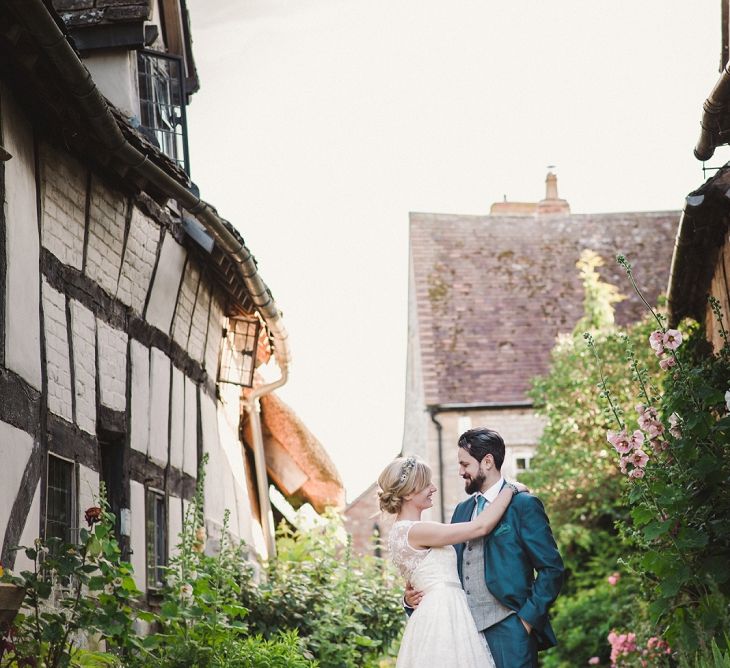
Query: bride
441, 631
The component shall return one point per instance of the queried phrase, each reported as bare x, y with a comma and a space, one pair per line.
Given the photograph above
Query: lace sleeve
405, 557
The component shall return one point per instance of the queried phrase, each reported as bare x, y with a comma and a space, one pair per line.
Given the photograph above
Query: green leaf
641, 515
657, 528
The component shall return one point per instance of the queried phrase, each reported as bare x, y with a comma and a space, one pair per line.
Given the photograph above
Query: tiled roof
83, 13
493, 292
323, 487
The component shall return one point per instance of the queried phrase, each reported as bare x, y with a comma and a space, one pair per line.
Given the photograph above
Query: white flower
727, 399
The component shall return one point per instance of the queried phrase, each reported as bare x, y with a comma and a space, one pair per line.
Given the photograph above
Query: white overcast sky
321, 123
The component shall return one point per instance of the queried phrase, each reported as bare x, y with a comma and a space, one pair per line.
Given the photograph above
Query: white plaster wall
190, 436
166, 283
139, 260
107, 214
112, 366
174, 523
215, 335
64, 205
214, 494
58, 367
30, 533
199, 326
159, 406
83, 339
236, 490
15, 449
140, 396
88, 492
137, 538
22, 288
115, 74
177, 418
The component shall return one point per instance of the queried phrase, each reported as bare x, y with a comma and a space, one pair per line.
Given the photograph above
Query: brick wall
57, 353
362, 516
83, 331
106, 236
112, 366
64, 206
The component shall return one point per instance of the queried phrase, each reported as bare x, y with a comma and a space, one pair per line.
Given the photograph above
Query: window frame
73, 525
154, 534
182, 160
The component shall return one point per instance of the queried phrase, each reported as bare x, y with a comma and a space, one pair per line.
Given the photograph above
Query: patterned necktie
481, 502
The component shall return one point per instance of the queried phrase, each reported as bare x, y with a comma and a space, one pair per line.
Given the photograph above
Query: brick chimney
551, 205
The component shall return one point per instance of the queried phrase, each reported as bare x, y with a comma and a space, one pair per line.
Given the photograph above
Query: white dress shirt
490, 495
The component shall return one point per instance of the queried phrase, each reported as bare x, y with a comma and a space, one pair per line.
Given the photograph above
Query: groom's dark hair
481, 442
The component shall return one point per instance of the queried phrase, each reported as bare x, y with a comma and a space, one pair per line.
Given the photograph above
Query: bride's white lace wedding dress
441, 631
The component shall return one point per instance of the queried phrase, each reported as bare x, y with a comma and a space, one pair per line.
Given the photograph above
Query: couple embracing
479, 588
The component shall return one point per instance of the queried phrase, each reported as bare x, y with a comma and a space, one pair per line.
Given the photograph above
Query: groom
513, 575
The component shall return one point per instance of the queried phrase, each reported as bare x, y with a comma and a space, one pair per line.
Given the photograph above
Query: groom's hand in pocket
528, 628
412, 597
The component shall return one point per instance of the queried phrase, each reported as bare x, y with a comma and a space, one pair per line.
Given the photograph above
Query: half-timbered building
131, 313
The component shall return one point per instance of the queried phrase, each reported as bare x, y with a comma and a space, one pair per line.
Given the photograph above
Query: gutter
712, 110
96, 112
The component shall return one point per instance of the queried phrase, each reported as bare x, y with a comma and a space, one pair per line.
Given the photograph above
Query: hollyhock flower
672, 339
674, 428
655, 430
619, 440
623, 463
667, 363
659, 445
594, 661
656, 341
638, 458
614, 578
636, 473
647, 417
92, 515
186, 592
636, 440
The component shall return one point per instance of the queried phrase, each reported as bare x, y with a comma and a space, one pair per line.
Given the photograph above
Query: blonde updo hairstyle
403, 476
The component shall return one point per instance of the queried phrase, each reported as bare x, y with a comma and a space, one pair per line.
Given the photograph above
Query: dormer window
162, 104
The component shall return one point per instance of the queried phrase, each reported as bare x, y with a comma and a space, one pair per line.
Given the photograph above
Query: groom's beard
474, 485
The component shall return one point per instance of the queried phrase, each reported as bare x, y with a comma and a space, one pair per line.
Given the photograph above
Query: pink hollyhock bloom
667, 363
659, 445
623, 463
672, 339
655, 430
656, 341
640, 408
613, 579
648, 416
594, 661
636, 440
636, 473
638, 458
620, 441
674, 426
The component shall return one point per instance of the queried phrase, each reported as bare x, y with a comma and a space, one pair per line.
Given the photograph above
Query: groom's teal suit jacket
521, 545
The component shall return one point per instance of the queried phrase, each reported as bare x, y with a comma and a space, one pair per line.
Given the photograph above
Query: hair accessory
406, 468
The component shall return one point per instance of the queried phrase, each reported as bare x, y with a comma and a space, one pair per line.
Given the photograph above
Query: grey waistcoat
486, 610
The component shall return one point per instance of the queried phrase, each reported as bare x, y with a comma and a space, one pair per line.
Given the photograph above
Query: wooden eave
702, 232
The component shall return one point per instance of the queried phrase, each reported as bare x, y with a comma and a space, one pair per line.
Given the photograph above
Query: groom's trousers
511, 645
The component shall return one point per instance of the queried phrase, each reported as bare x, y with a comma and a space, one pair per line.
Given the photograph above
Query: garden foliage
633, 466
319, 605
